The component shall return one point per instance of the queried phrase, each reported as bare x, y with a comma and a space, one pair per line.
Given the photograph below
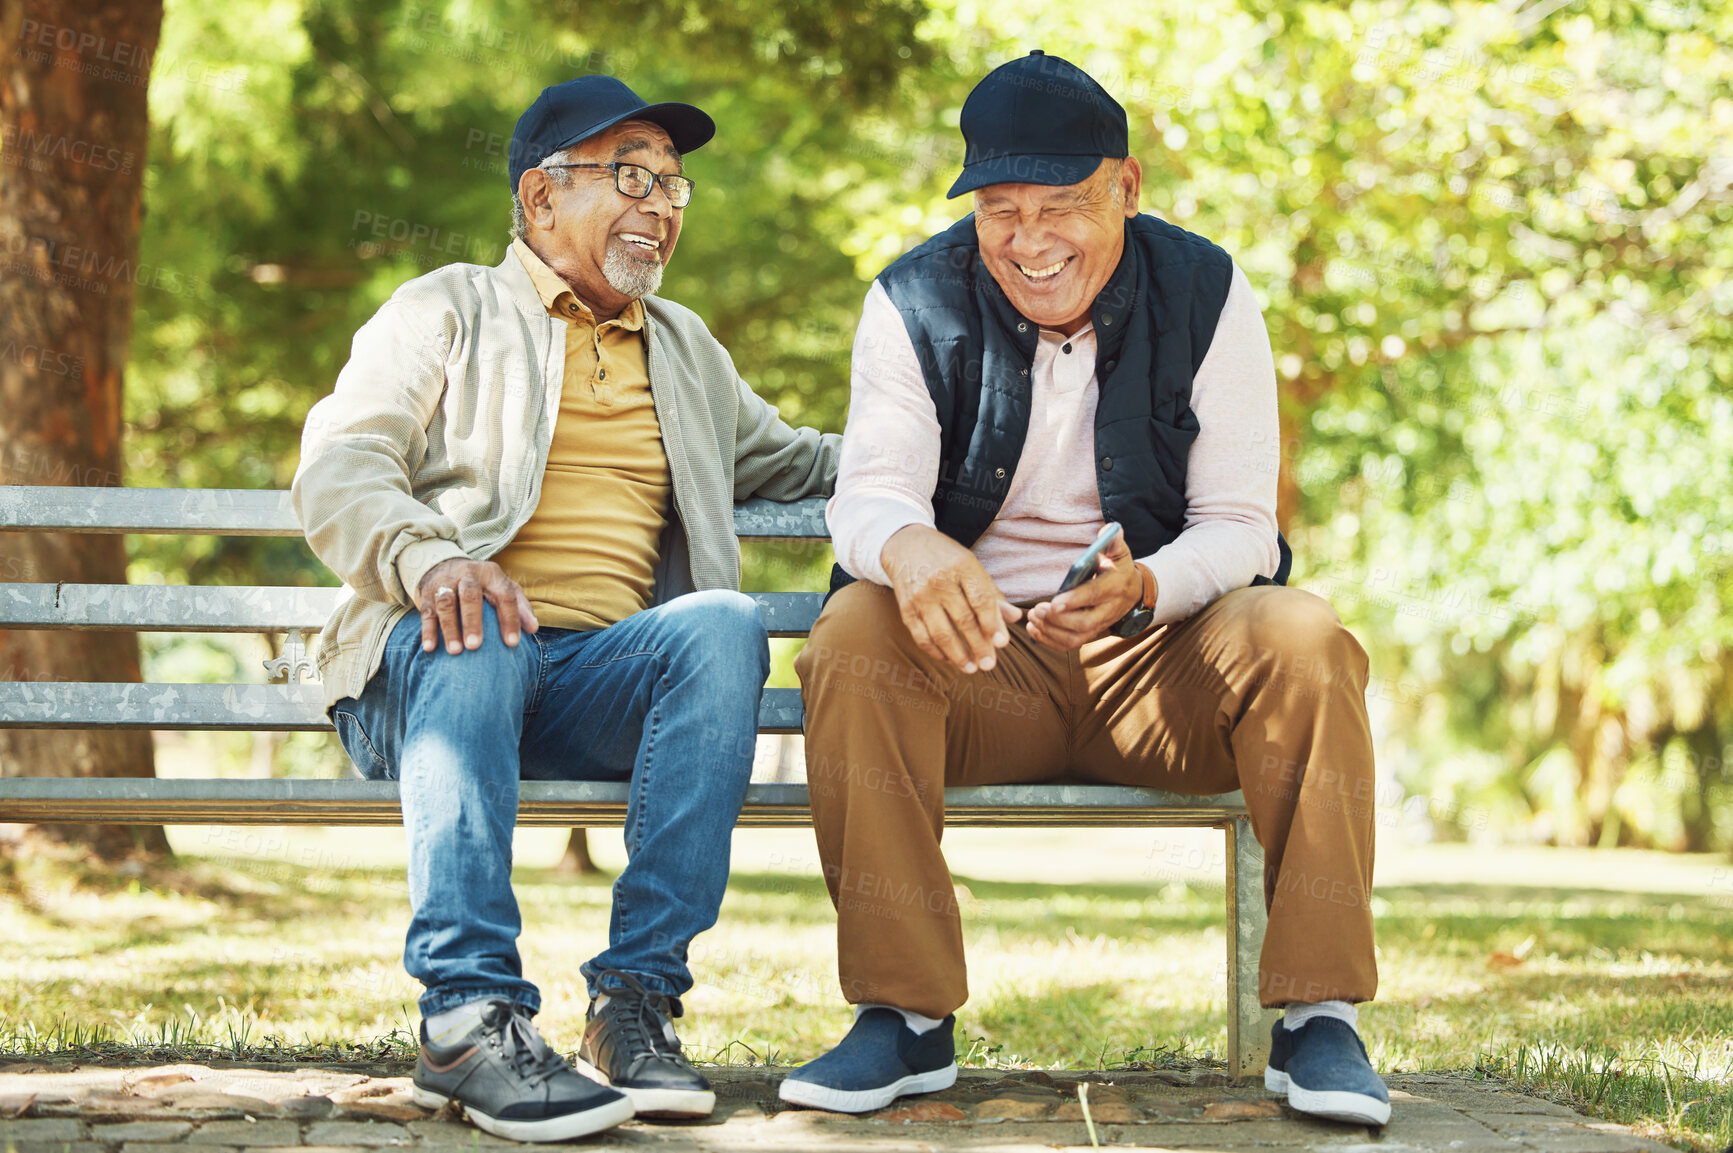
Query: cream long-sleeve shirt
890, 463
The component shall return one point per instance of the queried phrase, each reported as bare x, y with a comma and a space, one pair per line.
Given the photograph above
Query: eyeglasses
636, 182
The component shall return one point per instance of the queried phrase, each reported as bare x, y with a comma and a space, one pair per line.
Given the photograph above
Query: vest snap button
998, 474
1107, 318
1025, 372
1022, 327
1107, 464
1111, 365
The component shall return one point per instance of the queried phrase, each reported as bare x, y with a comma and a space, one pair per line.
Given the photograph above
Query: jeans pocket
366, 758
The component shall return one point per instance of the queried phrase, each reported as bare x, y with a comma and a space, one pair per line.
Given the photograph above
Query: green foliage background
1492, 241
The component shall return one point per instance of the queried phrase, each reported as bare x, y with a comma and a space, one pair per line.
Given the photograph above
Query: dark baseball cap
1038, 120
578, 109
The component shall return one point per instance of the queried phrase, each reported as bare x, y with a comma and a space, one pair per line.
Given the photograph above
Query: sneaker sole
667, 1104
671, 1104
562, 1128
865, 1100
1338, 1105
1275, 1080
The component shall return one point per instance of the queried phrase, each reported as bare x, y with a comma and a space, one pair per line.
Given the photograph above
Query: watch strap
1142, 613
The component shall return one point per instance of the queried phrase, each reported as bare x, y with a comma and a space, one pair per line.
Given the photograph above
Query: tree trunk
577, 862
1288, 491
1697, 799
73, 77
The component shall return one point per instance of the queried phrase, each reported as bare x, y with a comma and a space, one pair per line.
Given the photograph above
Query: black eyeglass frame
682, 184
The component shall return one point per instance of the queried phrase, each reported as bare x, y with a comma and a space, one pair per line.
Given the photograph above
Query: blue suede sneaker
1323, 1069
880, 1060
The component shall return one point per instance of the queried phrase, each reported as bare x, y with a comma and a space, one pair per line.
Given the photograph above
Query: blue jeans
666, 699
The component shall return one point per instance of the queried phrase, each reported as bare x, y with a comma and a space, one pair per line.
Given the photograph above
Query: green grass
1621, 1003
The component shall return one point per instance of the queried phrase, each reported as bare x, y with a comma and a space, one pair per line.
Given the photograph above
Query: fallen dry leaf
1242, 1110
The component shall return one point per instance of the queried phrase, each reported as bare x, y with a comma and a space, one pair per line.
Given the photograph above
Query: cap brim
689, 128
1025, 169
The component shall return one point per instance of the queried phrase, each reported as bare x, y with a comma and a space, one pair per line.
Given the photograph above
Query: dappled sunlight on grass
1082, 976
1623, 1000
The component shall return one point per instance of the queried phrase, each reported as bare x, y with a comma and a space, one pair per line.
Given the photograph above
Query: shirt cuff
420, 556
877, 519
1174, 586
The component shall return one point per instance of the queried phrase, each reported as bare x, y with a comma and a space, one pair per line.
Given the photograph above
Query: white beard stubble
630, 275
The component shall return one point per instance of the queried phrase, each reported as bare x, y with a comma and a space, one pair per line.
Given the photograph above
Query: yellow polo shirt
587, 556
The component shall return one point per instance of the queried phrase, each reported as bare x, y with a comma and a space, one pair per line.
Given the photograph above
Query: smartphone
1086, 566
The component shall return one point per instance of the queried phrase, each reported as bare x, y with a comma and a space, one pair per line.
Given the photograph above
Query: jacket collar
516, 279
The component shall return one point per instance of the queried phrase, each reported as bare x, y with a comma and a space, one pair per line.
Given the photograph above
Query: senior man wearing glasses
526, 476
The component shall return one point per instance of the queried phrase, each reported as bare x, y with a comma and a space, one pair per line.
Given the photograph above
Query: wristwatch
1139, 617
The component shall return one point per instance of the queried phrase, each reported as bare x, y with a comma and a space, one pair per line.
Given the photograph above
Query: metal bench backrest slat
267, 512
263, 708
252, 609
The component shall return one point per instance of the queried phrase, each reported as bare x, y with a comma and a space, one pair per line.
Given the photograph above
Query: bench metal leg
1248, 1022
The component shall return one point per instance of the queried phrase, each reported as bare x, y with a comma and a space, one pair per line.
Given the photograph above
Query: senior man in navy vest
1053, 363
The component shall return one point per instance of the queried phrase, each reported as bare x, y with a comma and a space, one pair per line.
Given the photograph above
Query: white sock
1298, 1013
914, 1021
445, 1028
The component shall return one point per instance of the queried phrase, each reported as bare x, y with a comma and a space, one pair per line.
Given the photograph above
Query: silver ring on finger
443, 590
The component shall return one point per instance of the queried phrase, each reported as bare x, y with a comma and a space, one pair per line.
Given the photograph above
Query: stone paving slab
62, 1107
141, 1131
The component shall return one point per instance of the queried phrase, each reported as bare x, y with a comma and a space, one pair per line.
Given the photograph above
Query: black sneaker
511, 1084
630, 1044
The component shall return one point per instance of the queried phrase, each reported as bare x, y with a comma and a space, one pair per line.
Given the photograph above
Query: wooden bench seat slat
237, 609
563, 803
279, 708
267, 512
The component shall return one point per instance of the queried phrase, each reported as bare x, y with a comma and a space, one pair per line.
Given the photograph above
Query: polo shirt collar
557, 296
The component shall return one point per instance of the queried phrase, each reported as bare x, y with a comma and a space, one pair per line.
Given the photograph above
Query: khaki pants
1264, 690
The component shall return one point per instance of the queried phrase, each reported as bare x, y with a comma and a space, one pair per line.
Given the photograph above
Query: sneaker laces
520, 1045
640, 1019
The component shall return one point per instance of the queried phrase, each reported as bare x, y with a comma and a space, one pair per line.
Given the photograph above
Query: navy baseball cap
1038, 120
578, 109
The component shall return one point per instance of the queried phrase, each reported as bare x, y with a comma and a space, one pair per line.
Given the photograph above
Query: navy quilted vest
1153, 324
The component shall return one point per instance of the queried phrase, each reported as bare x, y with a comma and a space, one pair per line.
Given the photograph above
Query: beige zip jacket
434, 442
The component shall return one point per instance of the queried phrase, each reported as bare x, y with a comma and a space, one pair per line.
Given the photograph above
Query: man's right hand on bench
450, 598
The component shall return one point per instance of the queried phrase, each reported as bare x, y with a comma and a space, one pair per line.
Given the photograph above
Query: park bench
292, 704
